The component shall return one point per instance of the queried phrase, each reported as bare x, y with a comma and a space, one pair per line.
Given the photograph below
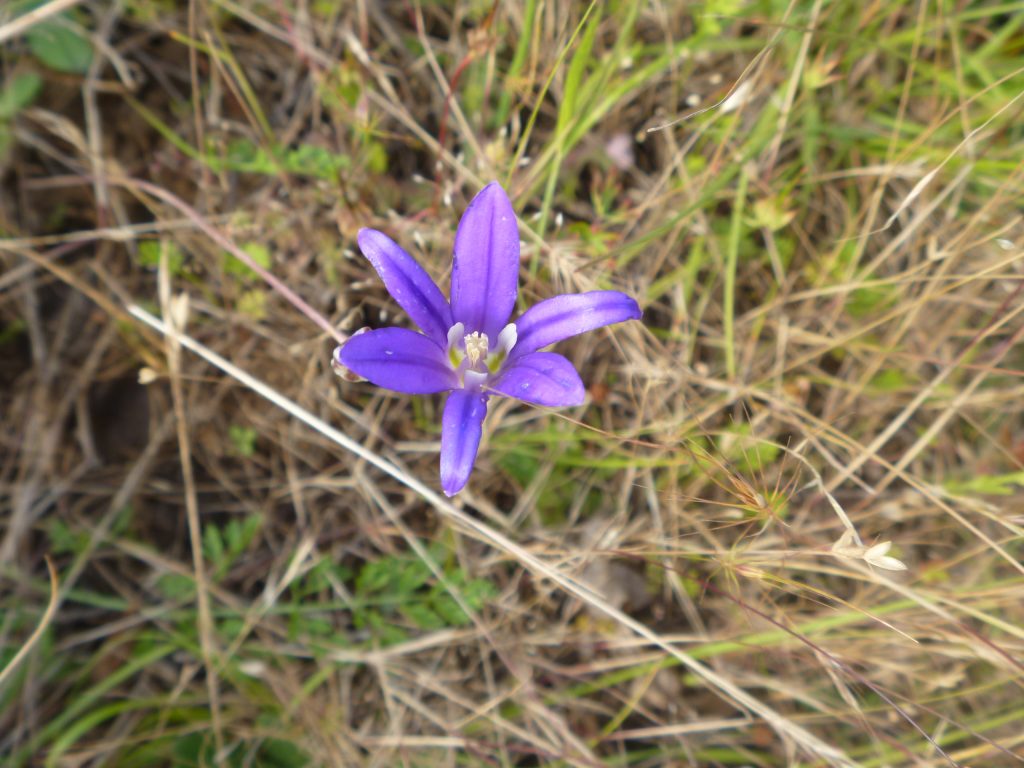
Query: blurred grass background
818, 205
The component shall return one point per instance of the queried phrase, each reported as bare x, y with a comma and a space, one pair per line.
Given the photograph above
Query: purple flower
469, 347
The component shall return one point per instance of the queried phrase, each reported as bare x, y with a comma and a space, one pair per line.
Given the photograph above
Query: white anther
476, 347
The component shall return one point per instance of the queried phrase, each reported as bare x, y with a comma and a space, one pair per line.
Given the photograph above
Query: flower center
472, 353
476, 347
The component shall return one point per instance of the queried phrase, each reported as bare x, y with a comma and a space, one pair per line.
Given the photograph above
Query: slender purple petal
485, 274
408, 283
461, 426
544, 378
399, 359
563, 316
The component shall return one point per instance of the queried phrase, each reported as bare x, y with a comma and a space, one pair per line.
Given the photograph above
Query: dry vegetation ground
818, 205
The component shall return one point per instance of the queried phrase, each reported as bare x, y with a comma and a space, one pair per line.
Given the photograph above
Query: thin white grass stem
479, 530
26, 21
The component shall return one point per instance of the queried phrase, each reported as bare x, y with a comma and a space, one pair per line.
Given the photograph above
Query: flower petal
399, 359
408, 283
485, 273
461, 426
544, 378
563, 316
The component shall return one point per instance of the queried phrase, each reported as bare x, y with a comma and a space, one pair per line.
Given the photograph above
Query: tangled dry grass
818, 207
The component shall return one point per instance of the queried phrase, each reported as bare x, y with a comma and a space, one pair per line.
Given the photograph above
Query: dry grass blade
44, 621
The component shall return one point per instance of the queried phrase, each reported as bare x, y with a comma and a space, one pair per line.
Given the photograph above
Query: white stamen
455, 333
476, 347
507, 339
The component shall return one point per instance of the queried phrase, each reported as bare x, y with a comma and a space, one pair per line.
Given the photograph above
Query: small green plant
257, 251
304, 160
16, 93
149, 256
243, 440
58, 42
196, 750
223, 546
396, 593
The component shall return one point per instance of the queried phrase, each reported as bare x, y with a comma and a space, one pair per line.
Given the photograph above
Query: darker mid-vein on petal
485, 274
542, 378
571, 314
461, 427
400, 360
408, 283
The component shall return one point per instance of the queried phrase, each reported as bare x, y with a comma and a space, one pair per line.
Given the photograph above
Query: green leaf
317, 579
771, 213
250, 527
890, 380
175, 586
450, 611
277, 753
386, 632
422, 616
58, 45
149, 256
64, 540
478, 593
989, 485
239, 535
233, 535
253, 304
257, 252
569, 108
310, 160
870, 300
230, 627
19, 92
398, 576
521, 466
475, 593
12, 330
213, 545
193, 750
243, 440
376, 157
305, 160
374, 576
243, 155
317, 626
749, 454
411, 576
